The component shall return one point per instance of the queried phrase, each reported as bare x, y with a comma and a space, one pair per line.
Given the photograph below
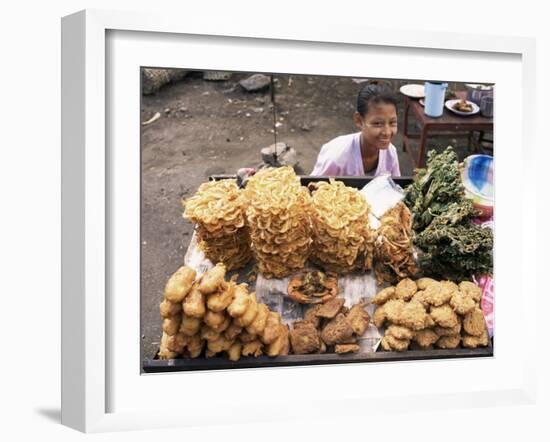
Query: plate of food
412, 90
462, 107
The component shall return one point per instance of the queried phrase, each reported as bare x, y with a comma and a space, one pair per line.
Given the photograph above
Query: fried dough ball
234, 352
384, 295
389, 343
425, 338
194, 304
165, 343
253, 348
470, 341
420, 296
281, 345
337, 331
448, 331
240, 302
444, 316
271, 331
208, 334
179, 284
462, 303
214, 319
232, 331
246, 319
423, 283
330, 308
399, 332
436, 294
429, 322
246, 337
359, 318
346, 348
168, 308
218, 302
189, 325
304, 338
257, 326
412, 315
212, 279
379, 317
405, 289
393, 308
448, 342
171, 325
220, 344
472, 290
195, 346
223, 326
474, 322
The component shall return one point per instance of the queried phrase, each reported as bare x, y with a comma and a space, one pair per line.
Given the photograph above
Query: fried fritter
271, 330
240, 302
208, 334
179, 284
165, 343
448, 342
470, 341
389, 343
218, 302
281, 345
393, 309
347, 348
399, 332
254, 348
171, 325
214, 319
337, 331
304, 338
195, 346
462, 303
258, 324
212, 279
223, 326
194, 303
330, 308
168, 308
420, 296
436, 294
189, 325
379, 317
472, 290
220, 344
426, 338
359, 318
384, 295
246, 319
422, 283
448, 331
474, 322
246, 337
234, 352
405, 289
232, 331
310, 315
412, 315
444, 316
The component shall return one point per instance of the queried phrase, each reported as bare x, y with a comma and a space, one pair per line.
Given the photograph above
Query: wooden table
449, 122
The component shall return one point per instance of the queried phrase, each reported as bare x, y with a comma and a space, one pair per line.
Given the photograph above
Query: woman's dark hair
374, 93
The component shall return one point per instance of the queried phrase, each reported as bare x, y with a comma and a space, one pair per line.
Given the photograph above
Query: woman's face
379, 125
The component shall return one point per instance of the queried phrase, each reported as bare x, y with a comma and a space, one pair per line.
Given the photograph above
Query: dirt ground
216, 127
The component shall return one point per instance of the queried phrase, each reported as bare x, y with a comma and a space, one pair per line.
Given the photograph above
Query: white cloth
342, 157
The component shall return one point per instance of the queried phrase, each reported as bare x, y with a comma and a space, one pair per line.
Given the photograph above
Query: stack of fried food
218, 211
217, 314
342, 239
278, 209
426, 313
330, 326
393, 252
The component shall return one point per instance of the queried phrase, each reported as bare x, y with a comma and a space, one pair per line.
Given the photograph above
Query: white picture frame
87, 210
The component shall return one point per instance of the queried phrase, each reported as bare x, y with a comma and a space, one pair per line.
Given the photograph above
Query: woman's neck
367, 150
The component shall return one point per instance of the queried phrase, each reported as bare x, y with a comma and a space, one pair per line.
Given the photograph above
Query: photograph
289, 219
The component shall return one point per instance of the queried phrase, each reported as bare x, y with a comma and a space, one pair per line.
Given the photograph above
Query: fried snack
253, 348
436, 294
342, 239
189, 325
412, 315
177, 342
337, 331
171, 325
448, 342
470, 289
393, 308
470, 341
212, 279
330, 308
246, 337
209, 353
379, 317
219, 345
246, 319
281, 345
444, 316
232, 331
218, 302
399, 332
194, 303
214, 319
420, 296
218, 211
416, 346
164, 351
423, 283
448, 331
208, 334
429, 322
389, 343
474, 322
223, 326
234, 352
393, 252
384, 295
405, 289
359, 318
310, 315
425, 338
462, 303
168, 308
257, 326
179, 284
272, 330
278, 215
195, 346
240, 302
304, 338
313, 287
346, 348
